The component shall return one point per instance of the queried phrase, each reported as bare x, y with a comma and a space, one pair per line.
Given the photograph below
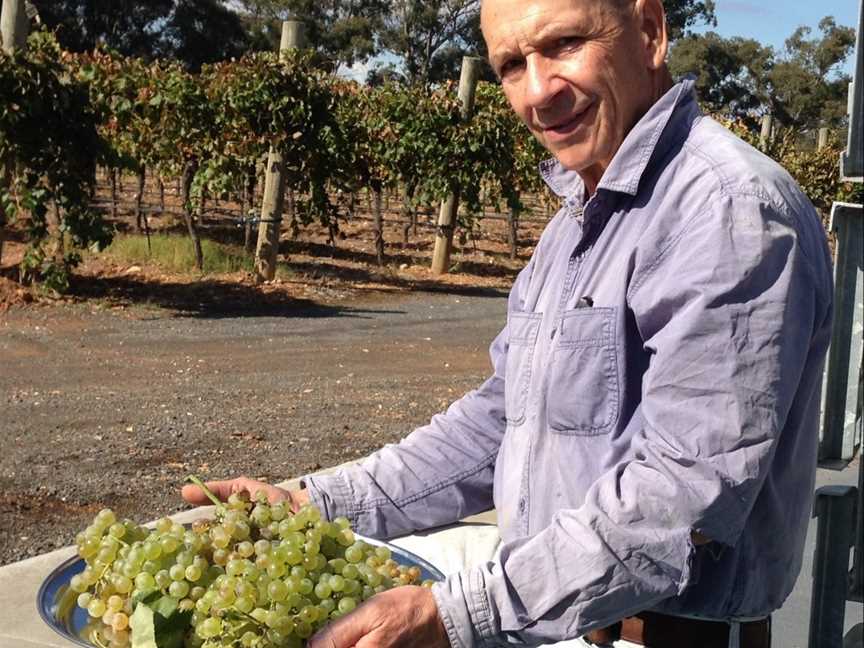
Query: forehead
510, 23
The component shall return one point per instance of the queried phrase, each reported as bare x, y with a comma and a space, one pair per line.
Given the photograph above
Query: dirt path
113, 407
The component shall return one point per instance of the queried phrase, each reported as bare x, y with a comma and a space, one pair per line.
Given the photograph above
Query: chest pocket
583, 393
522, 329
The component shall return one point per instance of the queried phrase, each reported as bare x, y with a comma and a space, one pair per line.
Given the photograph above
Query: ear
652, 27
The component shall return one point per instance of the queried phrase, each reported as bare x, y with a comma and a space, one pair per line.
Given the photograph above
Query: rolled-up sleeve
735, 316
438, 474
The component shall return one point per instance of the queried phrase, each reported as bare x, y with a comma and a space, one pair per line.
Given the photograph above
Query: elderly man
648, 436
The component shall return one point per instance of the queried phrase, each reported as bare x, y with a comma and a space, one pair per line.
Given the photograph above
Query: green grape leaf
143, 627
159, 624
164, 606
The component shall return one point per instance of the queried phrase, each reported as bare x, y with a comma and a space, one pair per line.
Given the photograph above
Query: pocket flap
523, 327
587, 327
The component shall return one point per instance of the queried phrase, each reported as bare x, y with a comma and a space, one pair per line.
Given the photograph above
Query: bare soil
111, 394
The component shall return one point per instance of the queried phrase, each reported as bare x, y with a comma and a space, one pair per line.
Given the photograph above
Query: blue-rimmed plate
58, 608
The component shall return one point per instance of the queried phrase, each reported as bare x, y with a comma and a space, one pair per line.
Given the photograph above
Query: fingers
194, 495
223, 489
345, 632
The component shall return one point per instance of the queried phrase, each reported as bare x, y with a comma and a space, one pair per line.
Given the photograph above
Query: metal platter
69, 624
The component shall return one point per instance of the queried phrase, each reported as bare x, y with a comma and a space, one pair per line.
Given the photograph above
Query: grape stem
200, 484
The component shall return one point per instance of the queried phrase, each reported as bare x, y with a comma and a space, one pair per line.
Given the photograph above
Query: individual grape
210, 627
120, 622
337, 583
117, 530
105, 518
221, 556
277, 590
123, 584
184, 558
96, 608
192, 573
78, 583
163, 579
84, 599
245, 604
235, 567
350, 571
354, 553
346, 604
178, 589
168, 544
150, 566
177, 572
328, 605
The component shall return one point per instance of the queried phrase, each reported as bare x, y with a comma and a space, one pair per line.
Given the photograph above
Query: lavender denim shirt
659, 373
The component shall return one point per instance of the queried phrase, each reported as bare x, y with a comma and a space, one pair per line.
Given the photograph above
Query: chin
574, 160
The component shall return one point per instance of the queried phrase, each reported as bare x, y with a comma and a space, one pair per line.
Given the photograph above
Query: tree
192, 31
202, 31
416, 31
341, 32
731, 74
807, 90
431, 37
740, 77
131, 27
681, 15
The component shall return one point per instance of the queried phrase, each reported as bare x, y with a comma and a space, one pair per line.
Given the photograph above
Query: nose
543, 84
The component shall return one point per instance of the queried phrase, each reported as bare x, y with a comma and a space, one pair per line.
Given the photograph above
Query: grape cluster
258, 576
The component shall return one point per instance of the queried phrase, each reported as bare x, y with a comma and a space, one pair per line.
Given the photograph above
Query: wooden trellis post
13, 35
447, 214
13, 25
766, 135
274, 182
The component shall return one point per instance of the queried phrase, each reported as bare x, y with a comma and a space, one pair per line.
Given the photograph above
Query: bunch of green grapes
257, 576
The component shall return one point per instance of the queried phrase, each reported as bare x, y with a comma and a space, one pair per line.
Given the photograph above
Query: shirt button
522, 505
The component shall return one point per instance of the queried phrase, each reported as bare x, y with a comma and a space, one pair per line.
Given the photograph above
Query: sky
768, 21
772, 21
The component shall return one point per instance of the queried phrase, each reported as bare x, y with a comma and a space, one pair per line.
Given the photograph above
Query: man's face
574, 71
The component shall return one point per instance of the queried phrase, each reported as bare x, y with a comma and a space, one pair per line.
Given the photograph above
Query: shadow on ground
208, 299
397, 254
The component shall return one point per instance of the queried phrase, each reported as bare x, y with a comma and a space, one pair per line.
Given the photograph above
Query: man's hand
403, 617
222, 489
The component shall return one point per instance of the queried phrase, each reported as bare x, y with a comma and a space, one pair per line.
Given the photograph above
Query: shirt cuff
464, 609
331, 495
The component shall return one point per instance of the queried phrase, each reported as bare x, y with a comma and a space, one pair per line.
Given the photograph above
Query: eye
568, 42
510, 66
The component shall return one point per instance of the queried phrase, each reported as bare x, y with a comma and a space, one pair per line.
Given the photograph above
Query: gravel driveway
113, 407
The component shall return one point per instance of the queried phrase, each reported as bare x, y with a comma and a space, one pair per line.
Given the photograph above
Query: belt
655, 630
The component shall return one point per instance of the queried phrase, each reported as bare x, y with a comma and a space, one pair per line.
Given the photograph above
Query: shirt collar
641, 145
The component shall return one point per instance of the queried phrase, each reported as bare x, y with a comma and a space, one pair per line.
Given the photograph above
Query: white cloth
462, 546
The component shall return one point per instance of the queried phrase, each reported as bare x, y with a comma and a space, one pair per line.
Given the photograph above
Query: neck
660, 83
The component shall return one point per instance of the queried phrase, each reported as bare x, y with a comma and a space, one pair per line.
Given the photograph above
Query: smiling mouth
568, 124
